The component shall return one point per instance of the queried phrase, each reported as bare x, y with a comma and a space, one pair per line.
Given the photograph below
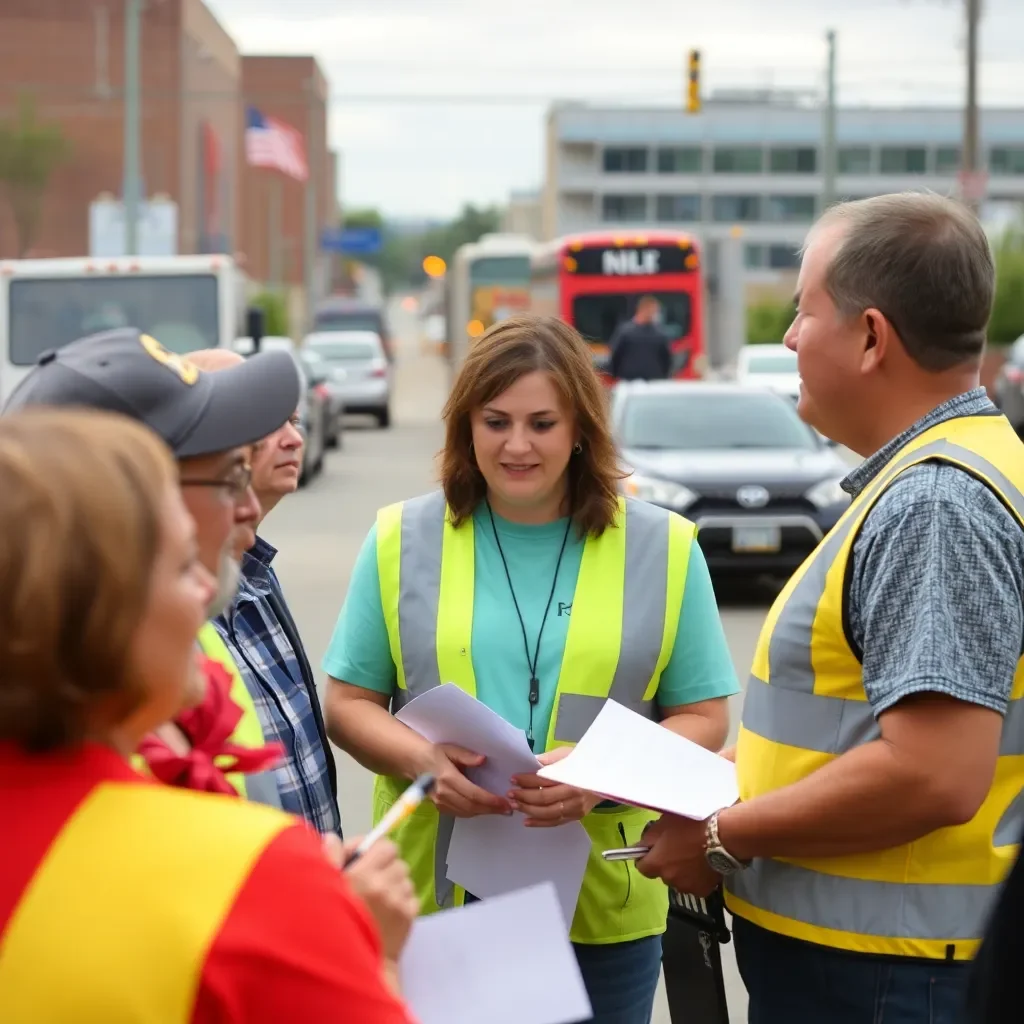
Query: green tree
275, 313
363, 218
767, 322
1007, 323
30, 151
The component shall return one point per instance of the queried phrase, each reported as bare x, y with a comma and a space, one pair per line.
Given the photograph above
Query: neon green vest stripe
620, 637
259, 787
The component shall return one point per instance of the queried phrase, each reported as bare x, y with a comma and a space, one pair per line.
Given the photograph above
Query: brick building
68, 56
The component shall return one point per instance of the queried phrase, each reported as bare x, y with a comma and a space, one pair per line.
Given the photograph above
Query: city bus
488, 281
185, 302
594, 281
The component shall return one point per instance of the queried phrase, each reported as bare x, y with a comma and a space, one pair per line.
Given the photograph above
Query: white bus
487, 281
185, 302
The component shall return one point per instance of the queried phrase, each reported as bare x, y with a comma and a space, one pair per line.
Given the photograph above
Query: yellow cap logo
182, 367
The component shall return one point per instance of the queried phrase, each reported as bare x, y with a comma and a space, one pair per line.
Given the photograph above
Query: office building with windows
751, 163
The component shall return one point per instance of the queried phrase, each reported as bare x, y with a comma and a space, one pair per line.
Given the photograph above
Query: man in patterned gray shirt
880, 750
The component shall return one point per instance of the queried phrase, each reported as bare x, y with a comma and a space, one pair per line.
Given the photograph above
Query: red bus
594, 280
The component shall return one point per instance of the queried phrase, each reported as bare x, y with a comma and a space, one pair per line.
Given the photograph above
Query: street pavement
319, 532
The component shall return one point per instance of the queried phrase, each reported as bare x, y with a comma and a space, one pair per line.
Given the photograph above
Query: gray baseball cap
195, 413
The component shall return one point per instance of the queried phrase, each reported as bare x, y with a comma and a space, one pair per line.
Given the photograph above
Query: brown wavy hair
80, 525
507, 351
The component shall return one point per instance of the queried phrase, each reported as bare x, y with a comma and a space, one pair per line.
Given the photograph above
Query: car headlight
828, 492
659, 492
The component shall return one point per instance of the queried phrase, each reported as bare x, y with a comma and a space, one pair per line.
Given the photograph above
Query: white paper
503, 961
629, 758
447, 714
492, 855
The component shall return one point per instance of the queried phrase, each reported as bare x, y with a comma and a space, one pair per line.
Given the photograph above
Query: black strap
290, 630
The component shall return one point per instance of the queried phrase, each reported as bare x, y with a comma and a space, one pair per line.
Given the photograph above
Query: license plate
756, 538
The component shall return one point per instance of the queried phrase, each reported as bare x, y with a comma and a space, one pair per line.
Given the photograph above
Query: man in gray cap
209, 421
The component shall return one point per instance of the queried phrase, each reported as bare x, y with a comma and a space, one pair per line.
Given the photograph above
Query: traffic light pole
132, 170
970, 166
828, 149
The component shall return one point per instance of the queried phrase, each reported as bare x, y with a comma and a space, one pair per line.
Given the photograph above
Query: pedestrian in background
264, 642
880, 748
122, 899
639, 348
209, 422
528, 581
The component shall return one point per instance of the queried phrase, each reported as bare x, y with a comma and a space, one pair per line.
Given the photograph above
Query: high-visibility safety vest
259, 787
625, 613
806, 705
180, 860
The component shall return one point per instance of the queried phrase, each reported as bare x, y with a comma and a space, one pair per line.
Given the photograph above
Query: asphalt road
319, 532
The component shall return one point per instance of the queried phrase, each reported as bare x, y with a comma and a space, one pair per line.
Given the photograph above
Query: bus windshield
179, 310
597, 316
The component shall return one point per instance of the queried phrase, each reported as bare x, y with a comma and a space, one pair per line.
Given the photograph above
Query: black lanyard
531, 663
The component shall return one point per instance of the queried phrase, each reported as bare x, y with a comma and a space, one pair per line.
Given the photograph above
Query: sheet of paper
492, 855
504, 961
629, 758
447, 714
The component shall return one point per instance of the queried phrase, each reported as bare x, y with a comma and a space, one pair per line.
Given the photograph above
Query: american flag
274, 144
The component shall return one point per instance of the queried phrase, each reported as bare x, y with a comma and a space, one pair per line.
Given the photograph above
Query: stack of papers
491, 855
506, 961
626, 757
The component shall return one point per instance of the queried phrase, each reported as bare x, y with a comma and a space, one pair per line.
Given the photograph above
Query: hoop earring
577, 448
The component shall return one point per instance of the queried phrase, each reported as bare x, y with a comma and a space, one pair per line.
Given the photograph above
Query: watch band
720, 859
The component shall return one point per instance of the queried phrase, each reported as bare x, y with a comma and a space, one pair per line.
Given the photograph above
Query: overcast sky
412, 156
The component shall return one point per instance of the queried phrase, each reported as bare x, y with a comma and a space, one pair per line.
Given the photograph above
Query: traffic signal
693, 83
434, 266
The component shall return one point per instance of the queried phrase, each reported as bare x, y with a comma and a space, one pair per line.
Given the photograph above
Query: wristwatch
722, 862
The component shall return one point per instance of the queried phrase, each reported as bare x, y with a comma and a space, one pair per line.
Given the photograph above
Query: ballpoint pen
400, 810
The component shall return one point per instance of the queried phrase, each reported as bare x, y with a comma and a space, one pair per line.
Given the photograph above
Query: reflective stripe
1008, 829
419, 589
577, 711
883, 909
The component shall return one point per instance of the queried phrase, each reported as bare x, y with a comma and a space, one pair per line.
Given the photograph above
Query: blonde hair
80, 526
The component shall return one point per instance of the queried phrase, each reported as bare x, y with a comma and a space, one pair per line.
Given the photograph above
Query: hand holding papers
490, 855
626, 757
506, 961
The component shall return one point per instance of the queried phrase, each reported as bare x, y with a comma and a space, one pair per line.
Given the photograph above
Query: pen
400, 810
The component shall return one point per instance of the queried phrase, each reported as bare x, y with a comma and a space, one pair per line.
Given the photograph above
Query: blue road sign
351, 240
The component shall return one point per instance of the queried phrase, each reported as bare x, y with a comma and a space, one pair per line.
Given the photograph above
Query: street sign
351, 240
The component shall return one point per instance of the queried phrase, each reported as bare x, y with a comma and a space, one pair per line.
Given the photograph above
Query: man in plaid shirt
263, 640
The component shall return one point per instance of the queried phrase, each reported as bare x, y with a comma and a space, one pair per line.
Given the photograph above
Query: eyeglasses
235, 484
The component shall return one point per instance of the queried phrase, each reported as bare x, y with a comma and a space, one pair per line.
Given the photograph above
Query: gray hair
924, 262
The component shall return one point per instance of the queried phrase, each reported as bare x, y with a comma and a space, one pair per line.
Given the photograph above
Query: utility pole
313, 163
828, 149
132, 185
970, 164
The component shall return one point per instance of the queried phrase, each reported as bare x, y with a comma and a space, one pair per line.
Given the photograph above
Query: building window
803, 160
947, 159
1006, 160
783, 257
623, 208
736, 208
675, 208
680, 160
739, 160
854, 160
625, 160
904, 160
753, 256
789, 208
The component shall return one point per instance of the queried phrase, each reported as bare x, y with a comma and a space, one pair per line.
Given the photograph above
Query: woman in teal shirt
479, 583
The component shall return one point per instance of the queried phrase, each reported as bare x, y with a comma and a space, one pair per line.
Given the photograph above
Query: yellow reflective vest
806, 705
625, 613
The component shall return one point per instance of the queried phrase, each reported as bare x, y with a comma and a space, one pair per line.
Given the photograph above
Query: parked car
343, 313
1009, 386
334, 408
314, 407
772, 366
761, 486
360, 376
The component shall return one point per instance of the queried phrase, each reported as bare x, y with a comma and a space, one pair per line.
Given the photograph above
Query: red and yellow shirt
122, 900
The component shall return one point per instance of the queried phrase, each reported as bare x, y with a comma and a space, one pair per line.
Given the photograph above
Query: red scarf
207, 728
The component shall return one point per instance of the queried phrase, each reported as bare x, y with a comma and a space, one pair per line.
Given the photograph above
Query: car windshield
347, 320
179, 310
772, 362
713, 421
345, 351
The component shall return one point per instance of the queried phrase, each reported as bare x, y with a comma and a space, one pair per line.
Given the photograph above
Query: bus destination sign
634, 260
